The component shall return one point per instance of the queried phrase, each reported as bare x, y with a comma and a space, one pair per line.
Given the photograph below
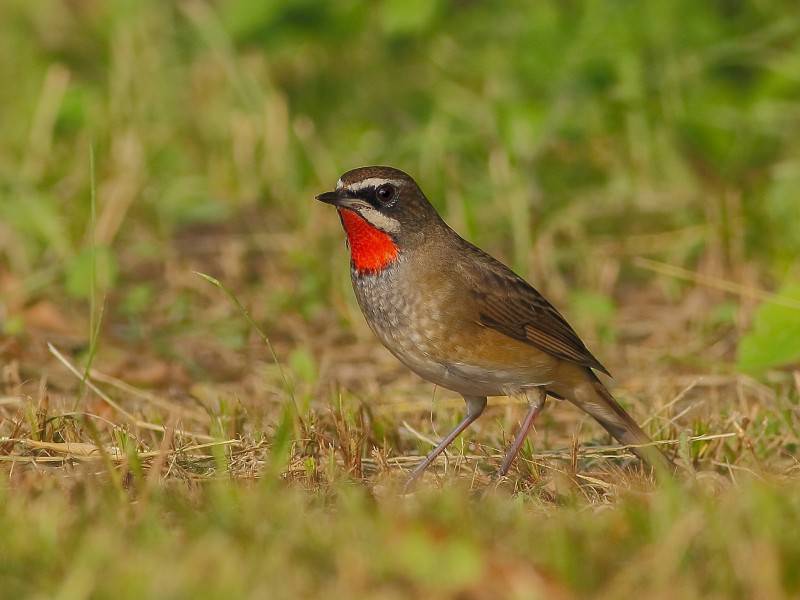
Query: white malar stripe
379, 220
370, 182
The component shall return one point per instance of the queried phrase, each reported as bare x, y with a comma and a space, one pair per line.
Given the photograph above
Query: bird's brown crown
361, 174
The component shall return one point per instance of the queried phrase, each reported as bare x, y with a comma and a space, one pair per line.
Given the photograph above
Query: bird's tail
594, 398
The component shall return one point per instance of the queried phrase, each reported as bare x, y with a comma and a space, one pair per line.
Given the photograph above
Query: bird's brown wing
510, 305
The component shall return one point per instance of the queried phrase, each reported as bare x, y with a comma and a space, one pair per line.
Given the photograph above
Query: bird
463, 320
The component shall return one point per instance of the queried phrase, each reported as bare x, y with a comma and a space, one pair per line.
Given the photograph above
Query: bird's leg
535, 408
475, 406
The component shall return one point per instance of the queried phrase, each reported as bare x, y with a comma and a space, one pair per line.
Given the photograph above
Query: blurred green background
639, 162
567, 137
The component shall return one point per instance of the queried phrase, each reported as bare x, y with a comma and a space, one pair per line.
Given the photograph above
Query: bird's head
383, 212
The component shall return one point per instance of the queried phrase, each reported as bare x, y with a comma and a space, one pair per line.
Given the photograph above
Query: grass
251, 540
637, 162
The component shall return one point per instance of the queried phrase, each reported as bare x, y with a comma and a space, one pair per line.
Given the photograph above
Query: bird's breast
406, 319
425, 324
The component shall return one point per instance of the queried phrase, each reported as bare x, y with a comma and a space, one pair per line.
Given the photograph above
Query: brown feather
509, 304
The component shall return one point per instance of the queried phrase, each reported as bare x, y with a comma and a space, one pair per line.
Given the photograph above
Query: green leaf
138, 299
243, 18
79, 271
303, 365
403, 17
775, 337
280, 453
14, 325
781, 207
39, 221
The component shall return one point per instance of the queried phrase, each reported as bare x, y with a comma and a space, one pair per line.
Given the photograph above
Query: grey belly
409, 329
466, 379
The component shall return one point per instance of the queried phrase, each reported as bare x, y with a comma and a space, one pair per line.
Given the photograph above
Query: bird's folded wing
514, 308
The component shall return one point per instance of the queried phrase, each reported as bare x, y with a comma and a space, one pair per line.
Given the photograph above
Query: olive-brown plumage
460, 318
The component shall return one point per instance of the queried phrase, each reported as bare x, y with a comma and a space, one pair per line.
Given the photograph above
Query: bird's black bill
335, 198
341, 199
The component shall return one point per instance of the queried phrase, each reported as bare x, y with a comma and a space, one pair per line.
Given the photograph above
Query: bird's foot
498, 476
408, 486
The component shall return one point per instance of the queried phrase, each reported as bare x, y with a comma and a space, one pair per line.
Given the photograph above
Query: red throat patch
370, 248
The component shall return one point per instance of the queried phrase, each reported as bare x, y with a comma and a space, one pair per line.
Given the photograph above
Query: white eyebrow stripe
339, 183
370, 182
379, 220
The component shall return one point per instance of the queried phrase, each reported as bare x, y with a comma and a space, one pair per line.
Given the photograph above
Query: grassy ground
636, 161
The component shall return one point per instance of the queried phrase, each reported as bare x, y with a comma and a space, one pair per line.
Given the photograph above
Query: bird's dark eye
384, 193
